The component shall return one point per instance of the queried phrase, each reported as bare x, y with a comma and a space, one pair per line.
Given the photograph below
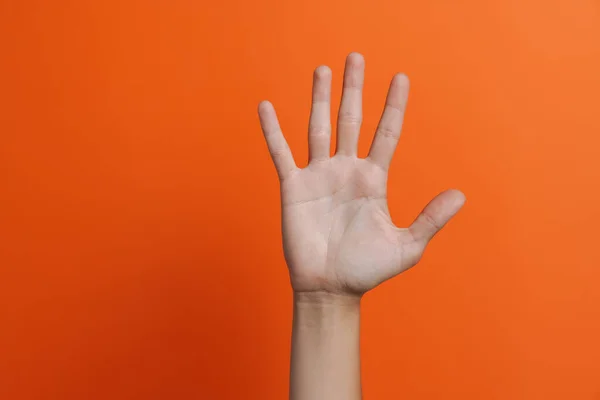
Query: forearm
325, 362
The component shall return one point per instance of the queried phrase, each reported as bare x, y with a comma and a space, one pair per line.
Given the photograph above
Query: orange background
140, 240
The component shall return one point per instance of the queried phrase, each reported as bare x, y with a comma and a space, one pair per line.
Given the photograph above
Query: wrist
325, 308
326, 299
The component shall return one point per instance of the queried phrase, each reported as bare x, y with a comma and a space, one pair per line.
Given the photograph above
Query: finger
350, 114
388, 130
278, 147
436, 214
319, 129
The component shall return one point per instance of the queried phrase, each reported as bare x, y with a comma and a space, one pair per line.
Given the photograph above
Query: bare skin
339, 239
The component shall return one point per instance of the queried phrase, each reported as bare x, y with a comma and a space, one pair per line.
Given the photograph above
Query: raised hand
338, 236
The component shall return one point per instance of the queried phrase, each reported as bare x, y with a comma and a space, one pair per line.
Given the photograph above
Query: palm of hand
338, 235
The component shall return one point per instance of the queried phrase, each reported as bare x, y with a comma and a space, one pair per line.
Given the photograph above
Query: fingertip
264, 106
458, 194
401, 79
436, 214
459, 197
451, 200
355, 59
322, 72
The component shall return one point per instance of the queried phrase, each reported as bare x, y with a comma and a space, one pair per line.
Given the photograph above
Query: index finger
388, 131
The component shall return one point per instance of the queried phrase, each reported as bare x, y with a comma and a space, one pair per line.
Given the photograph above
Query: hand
338, 236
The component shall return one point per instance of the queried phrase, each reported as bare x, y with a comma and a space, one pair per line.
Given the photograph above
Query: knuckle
388, 132
397, 107
319, 130
279, 152
431, 221
349, 118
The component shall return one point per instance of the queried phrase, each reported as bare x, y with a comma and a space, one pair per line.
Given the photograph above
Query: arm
325, 347
338, 237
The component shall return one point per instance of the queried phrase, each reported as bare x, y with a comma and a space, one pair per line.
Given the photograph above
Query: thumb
436, 214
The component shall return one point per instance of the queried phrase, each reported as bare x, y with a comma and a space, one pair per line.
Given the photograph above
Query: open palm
337, 232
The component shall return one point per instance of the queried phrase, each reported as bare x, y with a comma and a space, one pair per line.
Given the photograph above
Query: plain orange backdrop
140, 250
